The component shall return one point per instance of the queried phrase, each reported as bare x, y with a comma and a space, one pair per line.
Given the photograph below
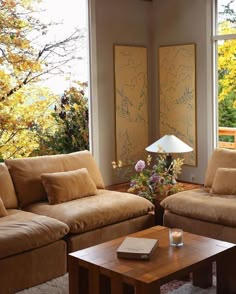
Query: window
43, 77
225, 51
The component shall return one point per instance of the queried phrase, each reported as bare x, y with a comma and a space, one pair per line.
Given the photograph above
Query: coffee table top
165, 264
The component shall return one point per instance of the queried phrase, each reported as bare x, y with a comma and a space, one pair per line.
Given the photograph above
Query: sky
222, 3
73, 13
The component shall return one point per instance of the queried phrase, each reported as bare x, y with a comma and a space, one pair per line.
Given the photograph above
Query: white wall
113, 22
182, 22
150, 24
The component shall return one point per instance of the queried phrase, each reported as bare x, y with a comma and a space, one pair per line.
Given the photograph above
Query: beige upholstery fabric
3, 211
26, 173
33, 267
80, 241
219, 158
22, 231
85, 159
225, 182
200, 227
201, 205
7, 192
85, 214
66, 186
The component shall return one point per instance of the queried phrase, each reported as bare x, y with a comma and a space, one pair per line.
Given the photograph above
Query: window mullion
224, 37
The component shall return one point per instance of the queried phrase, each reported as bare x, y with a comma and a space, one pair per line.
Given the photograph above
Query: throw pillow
220, 158
3, 211
224, 181
26, 173
65, 186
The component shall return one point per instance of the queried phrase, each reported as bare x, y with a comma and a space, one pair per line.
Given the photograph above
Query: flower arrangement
153, 180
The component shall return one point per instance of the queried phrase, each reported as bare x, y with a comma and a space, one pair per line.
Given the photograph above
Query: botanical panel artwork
131, 102
177, 96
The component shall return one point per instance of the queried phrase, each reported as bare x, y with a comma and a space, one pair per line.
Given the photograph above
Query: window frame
215, 39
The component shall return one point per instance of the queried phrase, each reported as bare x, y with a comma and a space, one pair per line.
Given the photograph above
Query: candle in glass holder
176, 237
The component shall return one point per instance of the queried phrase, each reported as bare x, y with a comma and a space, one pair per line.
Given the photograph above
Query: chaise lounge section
30, 245
57, 204
209, 211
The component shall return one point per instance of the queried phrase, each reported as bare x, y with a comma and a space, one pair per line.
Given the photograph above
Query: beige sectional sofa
55, 204
211, 210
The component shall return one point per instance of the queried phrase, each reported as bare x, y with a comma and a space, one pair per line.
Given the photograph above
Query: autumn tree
71, 123
27, 57
227, 70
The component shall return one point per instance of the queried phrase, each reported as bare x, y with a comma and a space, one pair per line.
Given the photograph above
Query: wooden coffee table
97, 270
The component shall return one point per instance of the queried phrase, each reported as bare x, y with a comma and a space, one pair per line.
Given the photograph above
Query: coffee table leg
73, 269
203, 277
142, 288
116, 285
94, 279
225, 272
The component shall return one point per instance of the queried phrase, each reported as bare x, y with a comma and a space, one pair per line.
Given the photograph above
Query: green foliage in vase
151, 180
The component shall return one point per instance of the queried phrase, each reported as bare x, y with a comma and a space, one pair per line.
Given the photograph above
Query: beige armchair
211, 210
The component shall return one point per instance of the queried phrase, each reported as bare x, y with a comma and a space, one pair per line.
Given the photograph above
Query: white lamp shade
169, 144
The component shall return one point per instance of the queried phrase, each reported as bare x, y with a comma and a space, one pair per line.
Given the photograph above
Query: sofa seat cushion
104, 208
22, 231
201, 205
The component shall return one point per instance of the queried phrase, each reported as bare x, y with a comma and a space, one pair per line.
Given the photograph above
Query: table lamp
169, 144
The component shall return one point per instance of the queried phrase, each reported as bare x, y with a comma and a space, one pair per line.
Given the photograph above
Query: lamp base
169, 160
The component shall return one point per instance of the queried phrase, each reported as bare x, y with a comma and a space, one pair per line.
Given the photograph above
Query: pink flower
139, 166
155, 178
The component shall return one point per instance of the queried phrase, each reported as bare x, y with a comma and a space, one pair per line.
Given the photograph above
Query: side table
159, 211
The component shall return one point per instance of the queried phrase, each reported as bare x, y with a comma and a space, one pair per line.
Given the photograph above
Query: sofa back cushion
3, 211
7, 191
66, 186
220, 158
26, 173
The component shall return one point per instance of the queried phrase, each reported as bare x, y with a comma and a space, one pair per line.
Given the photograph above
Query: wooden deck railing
226, 131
